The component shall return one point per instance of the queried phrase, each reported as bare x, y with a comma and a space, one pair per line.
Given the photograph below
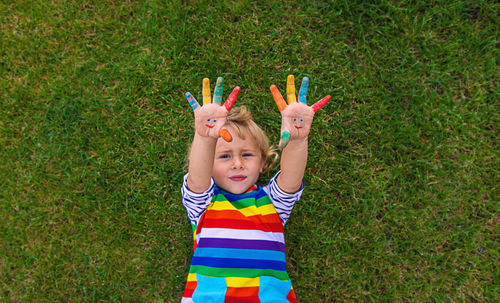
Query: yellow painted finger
278, 98
290, 90
206, 91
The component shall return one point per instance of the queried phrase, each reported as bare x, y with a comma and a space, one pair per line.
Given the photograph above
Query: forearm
201, 160
293, 165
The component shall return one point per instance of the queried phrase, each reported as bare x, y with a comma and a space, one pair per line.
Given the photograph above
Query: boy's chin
236, 190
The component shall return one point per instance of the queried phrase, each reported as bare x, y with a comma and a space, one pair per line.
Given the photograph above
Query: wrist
204, 138
297, 144
299, 140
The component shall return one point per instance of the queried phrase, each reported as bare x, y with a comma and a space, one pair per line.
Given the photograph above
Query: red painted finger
318, 105
232, 98
278, 98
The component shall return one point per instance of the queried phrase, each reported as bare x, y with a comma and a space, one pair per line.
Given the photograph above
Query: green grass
401, 199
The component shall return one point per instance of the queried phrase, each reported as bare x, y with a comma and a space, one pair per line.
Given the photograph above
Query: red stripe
291, 297
234, 214
241, 300
190, 287
242, 294
243, 224
254, 187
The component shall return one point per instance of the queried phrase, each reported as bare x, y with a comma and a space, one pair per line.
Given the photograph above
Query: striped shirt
239, 245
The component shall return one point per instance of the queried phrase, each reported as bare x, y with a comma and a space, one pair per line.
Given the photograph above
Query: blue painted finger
303, 90
192, 101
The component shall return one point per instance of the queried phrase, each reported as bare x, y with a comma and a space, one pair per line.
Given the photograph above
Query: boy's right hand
211, 117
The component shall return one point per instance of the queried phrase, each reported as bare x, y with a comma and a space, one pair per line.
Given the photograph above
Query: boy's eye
224, 156
247, 154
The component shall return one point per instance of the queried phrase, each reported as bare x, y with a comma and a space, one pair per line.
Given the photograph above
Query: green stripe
244, 203
263, 201
237, 272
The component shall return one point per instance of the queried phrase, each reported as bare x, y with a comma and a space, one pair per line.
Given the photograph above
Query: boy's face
237, 164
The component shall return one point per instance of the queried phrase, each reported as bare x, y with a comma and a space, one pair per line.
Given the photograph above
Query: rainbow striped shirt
239, 244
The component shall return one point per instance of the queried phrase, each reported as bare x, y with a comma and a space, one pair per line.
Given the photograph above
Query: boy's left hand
296, 117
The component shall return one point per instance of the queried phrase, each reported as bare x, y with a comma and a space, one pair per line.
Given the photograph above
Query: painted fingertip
206, 91
191, 100
278, 98
232, 98
303, 90
218, 90
285, 138
290, 89
224, 133
318, 105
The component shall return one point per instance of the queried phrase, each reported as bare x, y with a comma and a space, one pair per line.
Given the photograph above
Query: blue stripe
257, 254
273, 290
238, 263
210, 289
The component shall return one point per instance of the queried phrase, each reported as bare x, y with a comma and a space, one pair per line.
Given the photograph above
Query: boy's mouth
237, 178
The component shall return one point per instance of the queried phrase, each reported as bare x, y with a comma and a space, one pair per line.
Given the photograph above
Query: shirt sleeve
283, 202
194, 203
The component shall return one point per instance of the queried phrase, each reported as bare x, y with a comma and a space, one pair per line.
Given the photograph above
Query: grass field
401, 199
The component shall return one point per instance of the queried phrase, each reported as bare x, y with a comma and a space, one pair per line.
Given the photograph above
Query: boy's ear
262, 165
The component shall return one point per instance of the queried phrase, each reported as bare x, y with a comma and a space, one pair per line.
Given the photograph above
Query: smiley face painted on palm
298, 123
210, 123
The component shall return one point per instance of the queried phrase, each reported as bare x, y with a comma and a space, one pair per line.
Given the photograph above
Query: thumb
285, 138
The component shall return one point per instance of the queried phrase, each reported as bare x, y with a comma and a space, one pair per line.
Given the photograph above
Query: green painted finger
218, 90
285, 138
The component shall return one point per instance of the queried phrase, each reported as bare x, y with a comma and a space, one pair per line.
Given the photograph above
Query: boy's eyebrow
230, 150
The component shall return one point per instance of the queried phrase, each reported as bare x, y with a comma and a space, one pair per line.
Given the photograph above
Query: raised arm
209, 121
296, 119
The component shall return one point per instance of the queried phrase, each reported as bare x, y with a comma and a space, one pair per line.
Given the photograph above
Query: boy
239, 248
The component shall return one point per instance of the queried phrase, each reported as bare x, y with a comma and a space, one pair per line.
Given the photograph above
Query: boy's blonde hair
240, 119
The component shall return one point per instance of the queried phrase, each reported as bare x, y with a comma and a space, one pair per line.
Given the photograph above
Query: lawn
401, 198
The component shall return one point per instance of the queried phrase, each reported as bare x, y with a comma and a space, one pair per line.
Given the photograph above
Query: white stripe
187, 300
241, 234
283, 202
194, 203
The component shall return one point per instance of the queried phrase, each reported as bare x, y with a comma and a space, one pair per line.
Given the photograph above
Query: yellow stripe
242, 282
191, 277
247, 211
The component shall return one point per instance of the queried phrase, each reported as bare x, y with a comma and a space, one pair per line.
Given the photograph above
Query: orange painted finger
224, 133
290, 90
278, 98
206, 91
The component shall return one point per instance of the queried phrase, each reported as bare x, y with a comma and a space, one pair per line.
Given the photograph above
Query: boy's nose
237, 162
